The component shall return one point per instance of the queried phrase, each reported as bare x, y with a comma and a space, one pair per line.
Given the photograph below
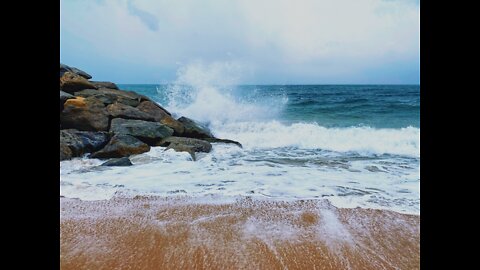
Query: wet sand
183, 233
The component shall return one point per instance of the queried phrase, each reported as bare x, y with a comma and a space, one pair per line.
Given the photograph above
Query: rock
64, 68
216, 140
80, 142
65, 152
87, 114
71, 82
189, 145
121, 145
109, 85
148, 132
110, 96
119, 110
194, 129
162, 116
63, 97
124, 161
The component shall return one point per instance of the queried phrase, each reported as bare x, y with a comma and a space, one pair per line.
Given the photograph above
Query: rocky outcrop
99, 118
110, 85
88, 114
161, 115
71, 82
194, 129
148, 132
189, 145
124, 161
122, 145
119, 110
74, 143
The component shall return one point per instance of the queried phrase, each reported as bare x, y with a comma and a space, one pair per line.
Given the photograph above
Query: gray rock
148, 132
189, 145
119, 110
110, 96
194, 129
124, 161
80, 142
64, 68
162, 116
109, 85
121, 145
88, 114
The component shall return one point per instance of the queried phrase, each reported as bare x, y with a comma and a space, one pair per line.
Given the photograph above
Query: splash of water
207, 93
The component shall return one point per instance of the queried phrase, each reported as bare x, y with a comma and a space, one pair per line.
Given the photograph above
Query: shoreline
148, 232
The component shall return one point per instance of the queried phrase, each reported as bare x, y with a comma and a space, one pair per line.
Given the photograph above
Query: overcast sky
263, 41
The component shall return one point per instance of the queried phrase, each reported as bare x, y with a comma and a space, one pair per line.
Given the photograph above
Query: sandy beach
189, 233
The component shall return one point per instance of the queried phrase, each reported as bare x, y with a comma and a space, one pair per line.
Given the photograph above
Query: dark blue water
379, 106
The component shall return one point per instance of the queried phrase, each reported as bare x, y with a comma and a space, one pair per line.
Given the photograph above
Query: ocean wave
367, 140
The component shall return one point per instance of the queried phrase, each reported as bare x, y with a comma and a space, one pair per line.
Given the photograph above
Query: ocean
354, 145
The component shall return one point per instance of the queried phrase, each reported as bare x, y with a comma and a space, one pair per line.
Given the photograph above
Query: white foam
365, 140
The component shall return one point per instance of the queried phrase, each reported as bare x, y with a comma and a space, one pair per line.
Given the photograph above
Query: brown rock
162, 116
110, 96
119, 110
71, 82
122, 145
110, 85
87, 114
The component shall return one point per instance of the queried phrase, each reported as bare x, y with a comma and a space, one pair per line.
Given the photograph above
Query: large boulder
119, 110
148, 132
189, 145
109, 85
80, 142
122, 145
63, 97
162, 116
124, 161
64, 68
110, 96
87, 114
194, 129
71, 82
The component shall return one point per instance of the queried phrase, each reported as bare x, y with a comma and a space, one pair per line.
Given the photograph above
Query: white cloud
336, 37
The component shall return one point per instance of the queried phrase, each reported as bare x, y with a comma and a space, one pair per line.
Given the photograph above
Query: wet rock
87, 114
80, 142
122, 145
194, 129
162, 116
189, 145
148, 132
216, 140
124, 161
71, 82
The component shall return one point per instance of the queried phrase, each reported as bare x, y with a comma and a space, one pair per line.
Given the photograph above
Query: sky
259, 41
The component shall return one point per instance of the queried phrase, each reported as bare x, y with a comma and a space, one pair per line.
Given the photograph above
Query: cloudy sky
262, 41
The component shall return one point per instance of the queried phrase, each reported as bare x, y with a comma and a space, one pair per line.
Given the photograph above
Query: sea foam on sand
185, 233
